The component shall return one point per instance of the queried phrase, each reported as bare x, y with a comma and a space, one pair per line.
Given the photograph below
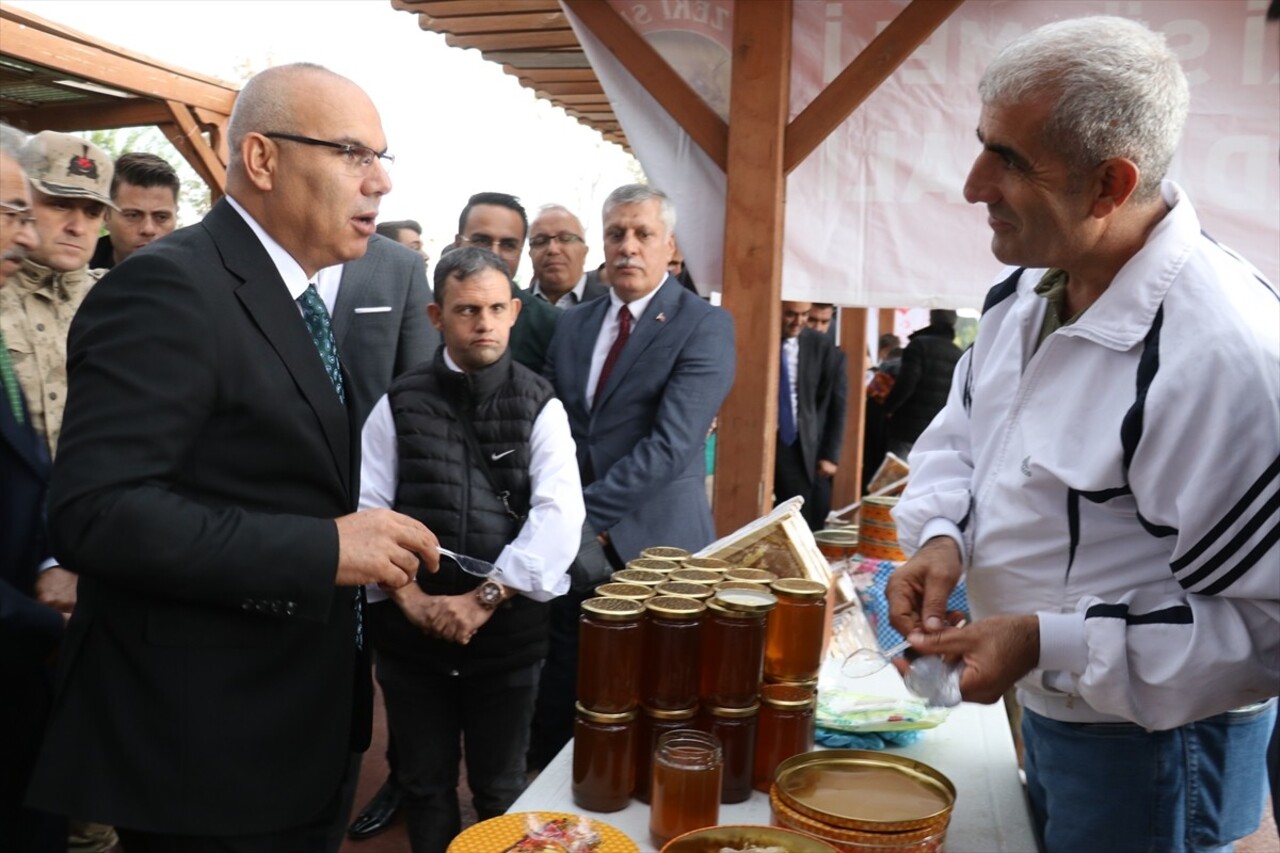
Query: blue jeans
1116, 787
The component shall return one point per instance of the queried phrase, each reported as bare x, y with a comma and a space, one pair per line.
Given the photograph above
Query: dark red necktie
624, 332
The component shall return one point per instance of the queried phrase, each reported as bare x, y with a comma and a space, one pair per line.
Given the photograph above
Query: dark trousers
431, 716
558, 685
791, 478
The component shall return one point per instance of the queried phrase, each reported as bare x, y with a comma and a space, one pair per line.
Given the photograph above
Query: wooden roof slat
581, 101
531, 61
554, 75
539, 21
451, 8
506, 41
131, 113
545, 89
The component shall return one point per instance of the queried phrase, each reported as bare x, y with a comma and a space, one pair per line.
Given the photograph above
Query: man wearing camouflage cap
71, 183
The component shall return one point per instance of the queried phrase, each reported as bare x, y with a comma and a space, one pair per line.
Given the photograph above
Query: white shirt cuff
1062, 645
526, 574
944, 527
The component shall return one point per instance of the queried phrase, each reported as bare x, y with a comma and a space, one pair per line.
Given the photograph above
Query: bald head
269, 102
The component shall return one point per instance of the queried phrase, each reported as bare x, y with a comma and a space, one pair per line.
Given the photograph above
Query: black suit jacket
209, 683
821, 400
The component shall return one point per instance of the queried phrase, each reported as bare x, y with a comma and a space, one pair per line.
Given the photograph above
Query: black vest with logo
441, 485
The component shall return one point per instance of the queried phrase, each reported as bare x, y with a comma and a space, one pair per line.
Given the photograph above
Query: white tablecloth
973, 748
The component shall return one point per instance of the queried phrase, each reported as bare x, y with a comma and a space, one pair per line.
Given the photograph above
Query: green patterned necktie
317, 317
10, 382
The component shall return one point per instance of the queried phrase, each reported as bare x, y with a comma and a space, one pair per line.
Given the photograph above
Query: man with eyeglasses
559, 254
71, 180
498, 222
31, 630
215, 676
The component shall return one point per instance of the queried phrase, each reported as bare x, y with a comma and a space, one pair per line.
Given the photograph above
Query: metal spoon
470, 565
865, 661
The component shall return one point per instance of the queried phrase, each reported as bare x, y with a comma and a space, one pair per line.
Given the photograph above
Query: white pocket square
374, 309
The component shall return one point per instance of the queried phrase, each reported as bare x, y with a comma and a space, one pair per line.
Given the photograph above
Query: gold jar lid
712, 563
677, 714
654, 564
666, 552
647, 577
633, 591
702, 576
675, 607
687, 589
734, 713
597, 717
799, 587
745, 601
758, 587
612, 609
787, 696
751, 575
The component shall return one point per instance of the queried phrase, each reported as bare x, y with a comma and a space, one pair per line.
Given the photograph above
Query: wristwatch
489, 594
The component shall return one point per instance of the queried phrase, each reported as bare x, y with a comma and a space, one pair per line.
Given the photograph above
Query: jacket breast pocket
198, 627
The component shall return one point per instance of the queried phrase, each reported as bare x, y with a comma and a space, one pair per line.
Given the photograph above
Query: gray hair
461, 264
11, 141
266, 104
639, 194
1120, 91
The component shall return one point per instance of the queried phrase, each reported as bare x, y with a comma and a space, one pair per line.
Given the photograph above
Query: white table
973, 748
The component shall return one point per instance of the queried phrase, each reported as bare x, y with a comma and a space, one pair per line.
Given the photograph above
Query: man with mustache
1106, 483
29, 631
214, 679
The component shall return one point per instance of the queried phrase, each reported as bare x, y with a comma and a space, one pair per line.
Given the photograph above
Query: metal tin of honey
666, 552
702, 576
645, 577
632, 591
865, 791
685, 589
712, 563
751, 575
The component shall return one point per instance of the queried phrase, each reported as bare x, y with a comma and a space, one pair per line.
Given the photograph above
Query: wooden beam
753, 230
847, 486
534, 22
185, 135
863, 75
885, 320
107, 67
131, 113
660, 80
448, 8
510, 41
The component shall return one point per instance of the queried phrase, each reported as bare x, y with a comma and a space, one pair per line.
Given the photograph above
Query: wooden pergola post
759, 99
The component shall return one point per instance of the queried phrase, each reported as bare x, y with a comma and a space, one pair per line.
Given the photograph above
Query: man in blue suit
29, 631
642, 374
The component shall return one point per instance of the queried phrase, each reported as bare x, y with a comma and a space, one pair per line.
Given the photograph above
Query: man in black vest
478, 448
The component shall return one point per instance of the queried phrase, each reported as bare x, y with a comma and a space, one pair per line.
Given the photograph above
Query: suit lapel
266, 299
583, 347
358, 277
661, 310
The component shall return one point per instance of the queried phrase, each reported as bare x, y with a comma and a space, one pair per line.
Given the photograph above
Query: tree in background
193, 196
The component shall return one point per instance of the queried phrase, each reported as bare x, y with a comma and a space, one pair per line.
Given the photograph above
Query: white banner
875, 215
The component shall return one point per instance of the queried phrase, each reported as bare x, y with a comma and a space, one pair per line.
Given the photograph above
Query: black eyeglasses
484, 241
16, 216
359, 159
564, 238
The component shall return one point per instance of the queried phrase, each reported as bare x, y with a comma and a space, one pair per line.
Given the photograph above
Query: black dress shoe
378, 813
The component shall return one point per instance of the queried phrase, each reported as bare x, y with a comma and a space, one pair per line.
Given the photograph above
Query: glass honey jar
686, 589
797, 628
609, 649
733, 647
785, 727
735, 728
644, 577
633, 591
603, 760
651, 725
654, 565
671, 636
685, 792
759, 576
665, 552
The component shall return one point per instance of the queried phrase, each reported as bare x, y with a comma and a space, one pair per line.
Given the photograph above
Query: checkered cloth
877, 608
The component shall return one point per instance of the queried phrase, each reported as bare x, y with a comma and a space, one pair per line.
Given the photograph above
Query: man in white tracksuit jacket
1106, 472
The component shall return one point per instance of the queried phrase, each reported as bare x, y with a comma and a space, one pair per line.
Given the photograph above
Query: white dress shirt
326, 280
536, 563
609, 334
